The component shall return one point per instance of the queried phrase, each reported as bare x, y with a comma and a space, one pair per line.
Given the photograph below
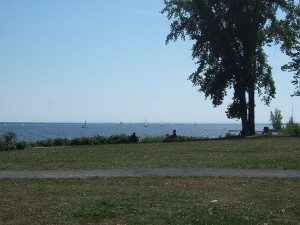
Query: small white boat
84, 125
146, 123
161, 124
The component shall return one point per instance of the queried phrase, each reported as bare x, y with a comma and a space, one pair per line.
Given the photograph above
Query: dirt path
153, 172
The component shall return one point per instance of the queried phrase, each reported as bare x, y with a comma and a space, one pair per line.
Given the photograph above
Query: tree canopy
229, 38
292, 49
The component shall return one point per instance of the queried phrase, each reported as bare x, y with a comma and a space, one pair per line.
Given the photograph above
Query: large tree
229, 38
291, 46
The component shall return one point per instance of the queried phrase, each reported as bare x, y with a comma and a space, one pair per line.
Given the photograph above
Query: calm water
41, 131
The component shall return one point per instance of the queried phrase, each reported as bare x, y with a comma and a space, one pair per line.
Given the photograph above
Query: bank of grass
263, 153
150, 201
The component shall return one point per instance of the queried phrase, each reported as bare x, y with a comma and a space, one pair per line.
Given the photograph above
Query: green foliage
276, 119
118, 139
149, 139
95, 140
8, 142
292, 49
2, 145
9, 137
45, 143
61, 142
98, 140
229, 135
292, 128
21, 145
229, 39
181, 138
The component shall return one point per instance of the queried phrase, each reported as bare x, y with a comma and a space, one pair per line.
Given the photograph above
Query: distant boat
146, 123
84, 125
161, 124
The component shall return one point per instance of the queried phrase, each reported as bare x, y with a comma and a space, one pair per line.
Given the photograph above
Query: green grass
154, 200
150, 201
267, 152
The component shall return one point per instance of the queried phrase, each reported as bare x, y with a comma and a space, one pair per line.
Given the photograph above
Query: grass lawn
155, 200
267, 152
232, 201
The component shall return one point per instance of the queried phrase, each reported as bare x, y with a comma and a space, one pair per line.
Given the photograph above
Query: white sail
146, 123
85, 125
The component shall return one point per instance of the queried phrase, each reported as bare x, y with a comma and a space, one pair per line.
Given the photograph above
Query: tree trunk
243, 102
244, 118
251, 115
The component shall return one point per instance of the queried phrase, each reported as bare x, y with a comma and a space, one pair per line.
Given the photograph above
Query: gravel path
153, 172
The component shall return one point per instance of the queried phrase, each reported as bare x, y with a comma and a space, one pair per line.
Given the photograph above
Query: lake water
42, 131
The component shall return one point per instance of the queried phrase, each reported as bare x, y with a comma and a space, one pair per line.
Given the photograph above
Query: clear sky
106, 61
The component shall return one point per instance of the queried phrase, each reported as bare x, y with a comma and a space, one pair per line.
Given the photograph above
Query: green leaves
229, 37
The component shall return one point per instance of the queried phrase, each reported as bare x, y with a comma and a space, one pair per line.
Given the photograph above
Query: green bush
229, 135
8, 142
180, 138
61, 142
98, 140
2, 145
75, 141
276, 119
148, 139
86, 141
21, 145
118, 139
292, 128
45, 143
9, 137
82, 141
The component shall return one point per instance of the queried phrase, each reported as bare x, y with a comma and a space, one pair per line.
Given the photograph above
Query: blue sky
106, 61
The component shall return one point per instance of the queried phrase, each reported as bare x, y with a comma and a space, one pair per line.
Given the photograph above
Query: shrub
276, 119
118, 139
292, 128
82, 141
186, 138
86, 141
21, 145
229, 135
9, 137
45, 143
75, 141
9, 142
148, 139
97, 140
2, 145
61, 142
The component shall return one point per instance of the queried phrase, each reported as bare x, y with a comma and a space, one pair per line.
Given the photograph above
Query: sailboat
161, 124
146, 123
84, 125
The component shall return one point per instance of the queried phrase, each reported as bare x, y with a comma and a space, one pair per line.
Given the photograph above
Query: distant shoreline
128, 123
